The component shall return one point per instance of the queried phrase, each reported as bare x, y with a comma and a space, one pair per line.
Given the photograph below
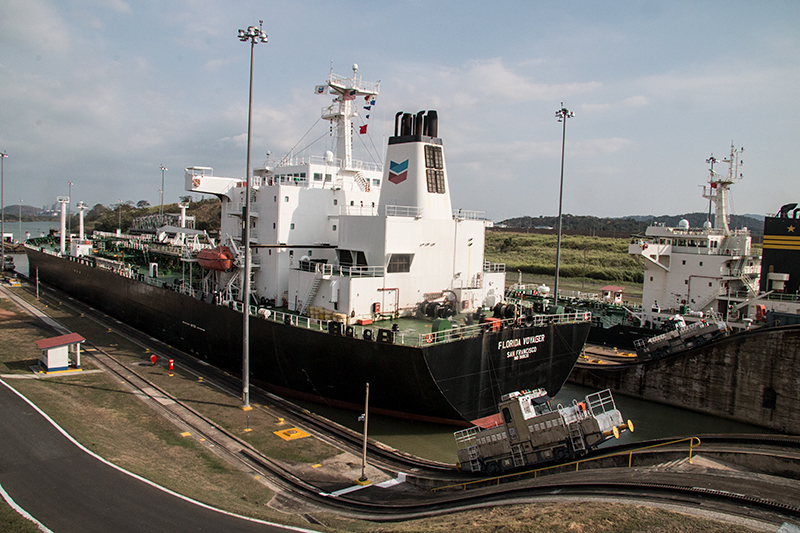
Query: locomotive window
507, 415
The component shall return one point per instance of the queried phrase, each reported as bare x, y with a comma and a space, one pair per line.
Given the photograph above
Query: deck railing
400, 337
358, 331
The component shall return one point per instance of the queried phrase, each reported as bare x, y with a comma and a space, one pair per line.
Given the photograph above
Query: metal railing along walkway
693, 442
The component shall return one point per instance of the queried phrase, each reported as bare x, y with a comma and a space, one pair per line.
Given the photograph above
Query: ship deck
407, 330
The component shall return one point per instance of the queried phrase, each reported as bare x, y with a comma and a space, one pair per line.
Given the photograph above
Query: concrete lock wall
751, 377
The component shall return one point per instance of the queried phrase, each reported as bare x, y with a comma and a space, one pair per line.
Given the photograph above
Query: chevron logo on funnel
398, 172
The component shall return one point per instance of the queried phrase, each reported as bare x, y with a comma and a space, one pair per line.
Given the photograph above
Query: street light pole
562, 115
161, 210
3, 156
254, 35
20, 220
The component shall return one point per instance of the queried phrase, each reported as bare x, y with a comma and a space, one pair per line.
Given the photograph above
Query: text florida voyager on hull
360, 274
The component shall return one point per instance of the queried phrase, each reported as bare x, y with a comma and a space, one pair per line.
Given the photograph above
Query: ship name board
521, 348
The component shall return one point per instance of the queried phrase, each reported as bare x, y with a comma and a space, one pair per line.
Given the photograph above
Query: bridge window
351, 258
399, 263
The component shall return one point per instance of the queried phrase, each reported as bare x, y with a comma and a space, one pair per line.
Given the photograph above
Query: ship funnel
422, 124
415, 177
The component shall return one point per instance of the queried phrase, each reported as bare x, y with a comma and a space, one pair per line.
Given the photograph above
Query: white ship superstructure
699, 270
415, 254
335, 235
296, 203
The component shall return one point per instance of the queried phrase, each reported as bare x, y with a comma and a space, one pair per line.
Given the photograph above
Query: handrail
577, 463
465, 332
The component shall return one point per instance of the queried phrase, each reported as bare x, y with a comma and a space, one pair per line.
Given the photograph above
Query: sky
101, 93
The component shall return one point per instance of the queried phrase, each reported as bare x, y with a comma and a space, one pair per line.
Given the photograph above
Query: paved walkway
67, 488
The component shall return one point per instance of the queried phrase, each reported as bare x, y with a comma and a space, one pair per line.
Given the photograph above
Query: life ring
429, 338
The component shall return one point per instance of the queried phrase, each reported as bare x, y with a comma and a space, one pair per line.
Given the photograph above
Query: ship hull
454, 381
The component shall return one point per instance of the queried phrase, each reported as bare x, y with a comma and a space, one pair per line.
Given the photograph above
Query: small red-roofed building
612, 293
61, 353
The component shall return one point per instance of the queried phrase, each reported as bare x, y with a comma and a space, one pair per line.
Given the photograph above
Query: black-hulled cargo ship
359, 275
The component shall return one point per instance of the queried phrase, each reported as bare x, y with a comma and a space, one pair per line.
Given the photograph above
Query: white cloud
34, 25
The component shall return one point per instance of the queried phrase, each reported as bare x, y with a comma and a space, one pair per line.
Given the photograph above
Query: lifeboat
219, 258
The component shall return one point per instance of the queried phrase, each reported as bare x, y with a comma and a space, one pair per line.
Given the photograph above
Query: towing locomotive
528, 431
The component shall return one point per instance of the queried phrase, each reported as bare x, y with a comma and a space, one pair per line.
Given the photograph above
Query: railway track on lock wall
661, 487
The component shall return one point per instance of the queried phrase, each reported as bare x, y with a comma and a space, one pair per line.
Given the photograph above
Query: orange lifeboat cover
219, 258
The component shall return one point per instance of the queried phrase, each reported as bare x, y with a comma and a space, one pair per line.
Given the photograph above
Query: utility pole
254, 35
562, 115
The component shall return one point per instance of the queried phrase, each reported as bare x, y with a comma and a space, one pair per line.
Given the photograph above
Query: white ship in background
711, 271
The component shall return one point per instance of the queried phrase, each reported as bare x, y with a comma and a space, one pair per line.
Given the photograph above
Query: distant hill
13, 211
589, 225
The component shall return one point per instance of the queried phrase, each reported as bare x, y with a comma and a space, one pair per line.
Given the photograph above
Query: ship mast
718, 191
341, 112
